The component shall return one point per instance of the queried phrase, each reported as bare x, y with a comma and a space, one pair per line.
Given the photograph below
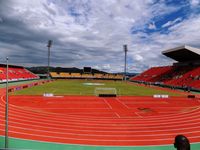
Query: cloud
194, 3
138, 57
106, 66
91, 33
152, 26
88, 33
186, 32
171, 23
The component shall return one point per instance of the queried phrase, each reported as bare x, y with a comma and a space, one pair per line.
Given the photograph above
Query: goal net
105, 92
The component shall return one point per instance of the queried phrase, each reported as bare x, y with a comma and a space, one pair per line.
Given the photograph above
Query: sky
93, 32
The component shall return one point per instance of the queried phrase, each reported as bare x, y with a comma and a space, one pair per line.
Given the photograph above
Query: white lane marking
126, 117
107, 103
122, 103
138, 114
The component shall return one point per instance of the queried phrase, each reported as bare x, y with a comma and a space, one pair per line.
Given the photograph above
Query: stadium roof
183, 53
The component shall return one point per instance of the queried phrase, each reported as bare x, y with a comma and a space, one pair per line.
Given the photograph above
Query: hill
43, 70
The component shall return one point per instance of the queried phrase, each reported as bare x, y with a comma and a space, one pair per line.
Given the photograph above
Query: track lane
41, 125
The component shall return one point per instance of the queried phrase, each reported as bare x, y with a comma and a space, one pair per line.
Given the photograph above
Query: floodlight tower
125, 51
49, 46
6, 107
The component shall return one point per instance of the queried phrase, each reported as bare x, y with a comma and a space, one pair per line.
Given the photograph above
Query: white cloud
186, 32
138, 57
152, 26
171, 23
92, 33
194, 3
106, 67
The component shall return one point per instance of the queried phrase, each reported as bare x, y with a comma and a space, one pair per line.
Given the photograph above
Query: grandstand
15, 73
105, 76
100, 114
184, 73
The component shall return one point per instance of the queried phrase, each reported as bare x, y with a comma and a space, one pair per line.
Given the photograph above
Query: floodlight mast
6, 107
125, 51
48, 69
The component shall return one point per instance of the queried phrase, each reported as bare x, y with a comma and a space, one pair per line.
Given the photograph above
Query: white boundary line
145, 118
26, 131
138, 115
154, 121
165, 119
122, 140
111, 108
107, 103
117, 115
122, 103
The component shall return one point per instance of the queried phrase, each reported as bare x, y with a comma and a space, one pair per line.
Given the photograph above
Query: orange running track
89, 120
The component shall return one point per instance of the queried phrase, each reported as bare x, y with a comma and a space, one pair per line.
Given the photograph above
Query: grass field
78, 87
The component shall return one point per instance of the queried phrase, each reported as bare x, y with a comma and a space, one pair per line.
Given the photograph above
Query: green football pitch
87, 87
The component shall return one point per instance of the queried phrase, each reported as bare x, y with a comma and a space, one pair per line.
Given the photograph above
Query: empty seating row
16, 73
85, 76
178, 76
153, 74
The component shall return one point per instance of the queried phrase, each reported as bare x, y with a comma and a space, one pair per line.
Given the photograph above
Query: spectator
181, 143
188, 89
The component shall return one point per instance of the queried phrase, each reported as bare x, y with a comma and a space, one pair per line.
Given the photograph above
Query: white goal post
105, 91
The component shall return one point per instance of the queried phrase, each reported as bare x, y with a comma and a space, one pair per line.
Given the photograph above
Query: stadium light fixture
49, 46
6, 107
125, 51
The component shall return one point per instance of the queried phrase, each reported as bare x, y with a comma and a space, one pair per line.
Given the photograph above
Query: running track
88, 120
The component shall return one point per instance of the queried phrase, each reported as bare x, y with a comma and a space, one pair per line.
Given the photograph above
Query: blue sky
92, 32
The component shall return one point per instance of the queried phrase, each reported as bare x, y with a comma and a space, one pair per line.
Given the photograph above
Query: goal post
105, 92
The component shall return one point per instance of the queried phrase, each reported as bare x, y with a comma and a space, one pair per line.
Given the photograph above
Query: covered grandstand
184, 73
183, 54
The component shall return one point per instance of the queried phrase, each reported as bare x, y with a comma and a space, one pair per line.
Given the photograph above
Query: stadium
103, 111
100, 75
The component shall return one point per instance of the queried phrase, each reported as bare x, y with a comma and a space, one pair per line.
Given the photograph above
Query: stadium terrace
90, 109
183, 74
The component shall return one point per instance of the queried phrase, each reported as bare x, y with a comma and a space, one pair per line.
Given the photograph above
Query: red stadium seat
177, 76
16, 74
